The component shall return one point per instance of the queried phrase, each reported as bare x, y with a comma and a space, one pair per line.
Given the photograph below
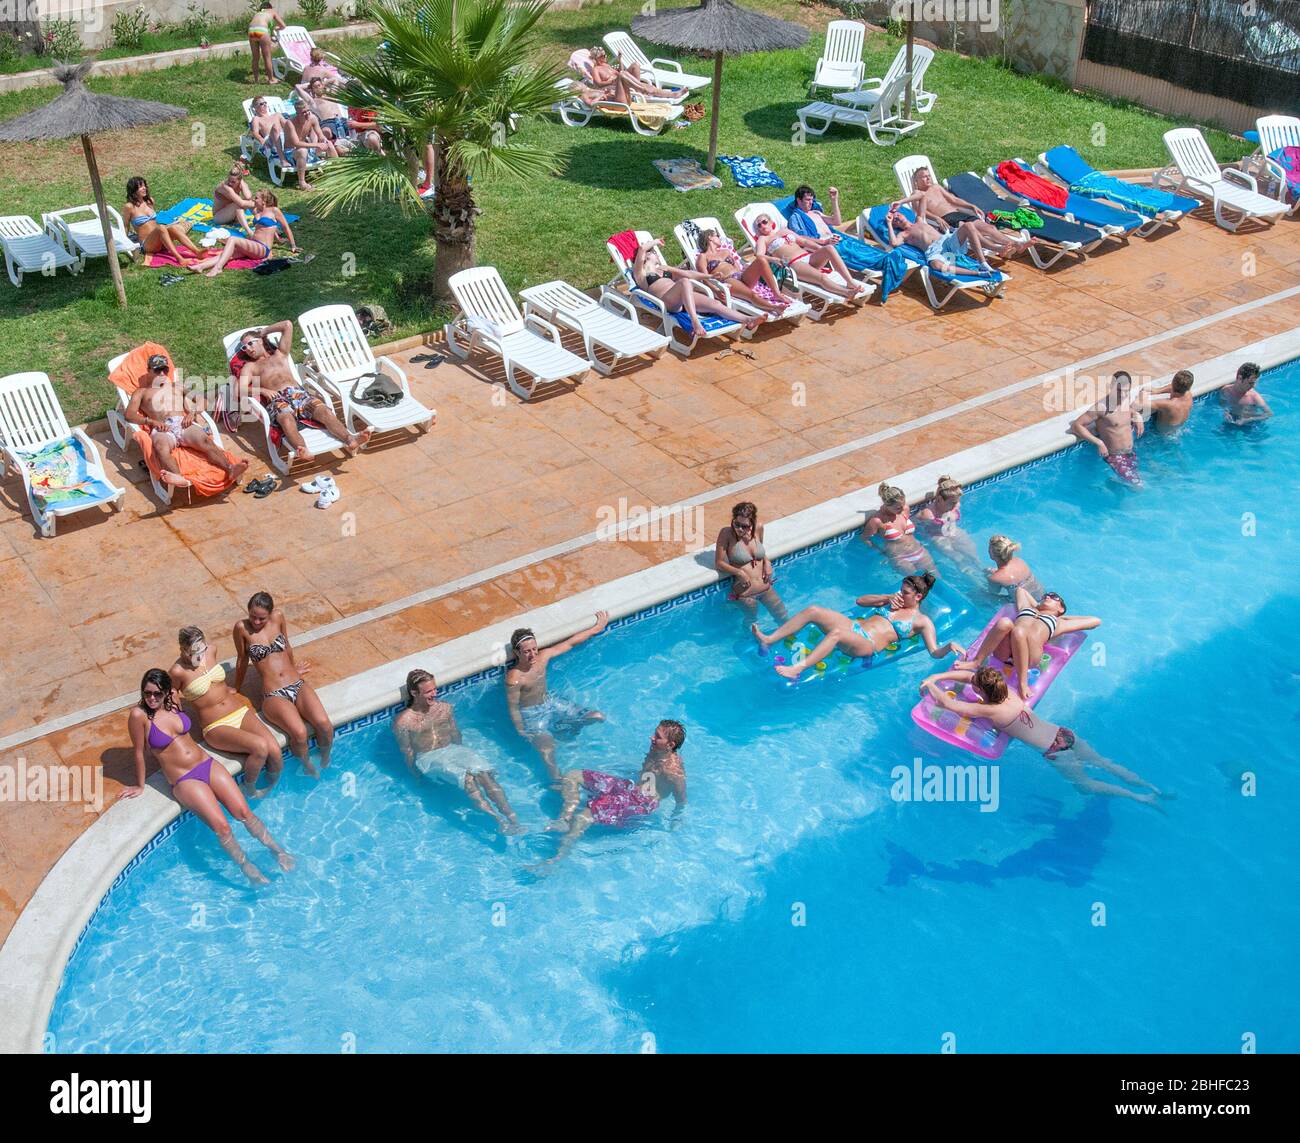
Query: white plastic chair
339, 356
250, 151
882, 119
868, 93
30, 419
840, 66
1195, 169
608, 324
284, 64
664, 73
77, 229
905, 171
30, 250
1276, 132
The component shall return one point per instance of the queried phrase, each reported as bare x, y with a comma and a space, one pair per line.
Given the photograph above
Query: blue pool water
410, 926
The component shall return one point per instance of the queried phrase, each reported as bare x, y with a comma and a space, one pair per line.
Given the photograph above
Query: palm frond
354, 180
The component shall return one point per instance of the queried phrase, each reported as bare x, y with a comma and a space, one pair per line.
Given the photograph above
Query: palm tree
459, 73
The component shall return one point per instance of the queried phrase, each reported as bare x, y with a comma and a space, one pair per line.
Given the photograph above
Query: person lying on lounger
159, 404
321, 68
624, 85
753, 280
931, 201
941, 248
333, 118
779, 241
231, 197
1111, 426
268, 376
270, 132
268, 221
672, 286
141, 215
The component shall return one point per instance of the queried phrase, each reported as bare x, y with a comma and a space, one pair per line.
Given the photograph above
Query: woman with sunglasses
288, 700
199, 783
268, 223
740, 554
1020, 641
141, 215
798, 251
675, 288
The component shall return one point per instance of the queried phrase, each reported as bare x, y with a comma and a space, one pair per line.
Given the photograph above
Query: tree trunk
454, 216
105, 225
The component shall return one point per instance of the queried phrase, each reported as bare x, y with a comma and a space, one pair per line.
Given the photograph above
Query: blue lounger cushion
977, 192
1085, 210
969, 270
1072, 168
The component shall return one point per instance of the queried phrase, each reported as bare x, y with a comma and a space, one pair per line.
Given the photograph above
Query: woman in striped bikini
893, 526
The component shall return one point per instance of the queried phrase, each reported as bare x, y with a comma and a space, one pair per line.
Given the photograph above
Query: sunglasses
155, 693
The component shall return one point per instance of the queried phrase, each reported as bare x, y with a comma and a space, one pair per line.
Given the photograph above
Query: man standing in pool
1117, 423
536, 713
1177, 407
430, 741
618, 801
1242, 402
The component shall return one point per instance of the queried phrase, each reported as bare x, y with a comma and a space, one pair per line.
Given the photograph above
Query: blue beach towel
752, 171
859, 256
198, 212
969, 269
1068, 165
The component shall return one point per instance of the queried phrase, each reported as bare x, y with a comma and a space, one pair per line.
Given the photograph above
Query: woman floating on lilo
895, 617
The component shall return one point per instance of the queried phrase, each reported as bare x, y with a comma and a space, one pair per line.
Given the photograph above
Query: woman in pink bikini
200, 784
1009, 713
893, 526
753, 281
780, 242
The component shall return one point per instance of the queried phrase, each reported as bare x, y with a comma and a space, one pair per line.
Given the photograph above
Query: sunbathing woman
673, 287
259, 38
1060, 745
288, 700
624, 85
155, 237
268, 221
780, 242
940, 517
892, 526
941, 248
232, 197
740, 554
200, 784
228, 720
1011, 572
754, 281
1020, 641
895, 617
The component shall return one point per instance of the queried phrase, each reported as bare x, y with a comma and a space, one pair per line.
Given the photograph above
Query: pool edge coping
35, 955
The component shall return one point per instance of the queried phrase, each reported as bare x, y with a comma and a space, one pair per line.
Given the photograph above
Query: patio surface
497, 479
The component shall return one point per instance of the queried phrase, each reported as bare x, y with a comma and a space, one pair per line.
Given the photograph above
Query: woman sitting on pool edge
1009, 714
268, 221
897, 616
198, 782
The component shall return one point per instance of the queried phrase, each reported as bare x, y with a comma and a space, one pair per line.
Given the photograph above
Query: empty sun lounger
60, 466
249, 149
1231, 192
342, 363
609, 324
30, 250
882, 120
490, 320
1275, 133
839, 68
647, 117
1159, 207
869, 92
1110, 220
77, 229
664, 73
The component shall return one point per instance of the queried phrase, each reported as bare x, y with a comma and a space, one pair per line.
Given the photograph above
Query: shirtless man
161, 407
1111, 426
932, 201
272, 134
1020, 641
231, 198
940, 247
1177, 406
1241, 401
267, 374
620, 800
538, 715
333, 118
430, 742
320, 68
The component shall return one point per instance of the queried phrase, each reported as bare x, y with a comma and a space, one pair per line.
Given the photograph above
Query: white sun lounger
868, 94
883, 120
490, 320
809, 280
249, 150
796, 311
651, 117
284, 64
609, 324
339, 357
1195, 170
77, 229
30, 250
664, 73
840, 66
30, 419
1276, 132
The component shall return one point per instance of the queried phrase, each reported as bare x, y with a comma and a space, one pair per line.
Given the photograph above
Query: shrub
62, 40
198, 22
313, 12
11, 47
130, 26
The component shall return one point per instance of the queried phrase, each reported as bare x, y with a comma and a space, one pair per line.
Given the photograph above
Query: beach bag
693, 112
377, 391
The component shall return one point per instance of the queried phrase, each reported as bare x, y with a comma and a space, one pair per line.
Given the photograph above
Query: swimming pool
409, 926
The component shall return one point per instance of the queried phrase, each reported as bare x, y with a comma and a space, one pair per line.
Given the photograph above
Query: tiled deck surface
496, 479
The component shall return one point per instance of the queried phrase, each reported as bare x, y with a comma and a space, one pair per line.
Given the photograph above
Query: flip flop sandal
254, 485
431, 360
263, 488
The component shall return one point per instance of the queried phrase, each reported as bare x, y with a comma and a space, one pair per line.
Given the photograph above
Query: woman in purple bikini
200, 784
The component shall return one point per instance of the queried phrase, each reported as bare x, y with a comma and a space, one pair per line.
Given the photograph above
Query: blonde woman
268, 223
940, 517
1010, 571
891, 529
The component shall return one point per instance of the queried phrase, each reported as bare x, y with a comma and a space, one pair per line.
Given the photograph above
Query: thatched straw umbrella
79, 112
718, 28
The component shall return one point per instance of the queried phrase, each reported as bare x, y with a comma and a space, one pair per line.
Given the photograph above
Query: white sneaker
327, 497
318, 485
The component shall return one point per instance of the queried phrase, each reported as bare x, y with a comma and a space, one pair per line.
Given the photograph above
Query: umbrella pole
911, 34
713, 121
105, 225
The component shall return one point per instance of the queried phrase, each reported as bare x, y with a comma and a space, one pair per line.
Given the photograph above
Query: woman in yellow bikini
228, 719
259, 38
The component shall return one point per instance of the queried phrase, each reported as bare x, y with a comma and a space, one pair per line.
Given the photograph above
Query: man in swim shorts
1111, 426
620, 801
928, 199
431, 744
1241, 401
538, 715
160, 405
1177, 406
269, 377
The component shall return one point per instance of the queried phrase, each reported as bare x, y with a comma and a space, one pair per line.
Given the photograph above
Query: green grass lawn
69, 327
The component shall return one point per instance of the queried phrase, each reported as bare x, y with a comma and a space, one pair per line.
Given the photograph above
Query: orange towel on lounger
208, 479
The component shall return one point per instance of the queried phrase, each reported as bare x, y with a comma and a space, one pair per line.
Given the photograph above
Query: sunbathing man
270, 131
1241, 401
231, 197
160, 405
1117, 423
538, 715
268, 376
940, 247
305, 133
430, 741
930, 200
1177, 406
333, 118
619, 801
